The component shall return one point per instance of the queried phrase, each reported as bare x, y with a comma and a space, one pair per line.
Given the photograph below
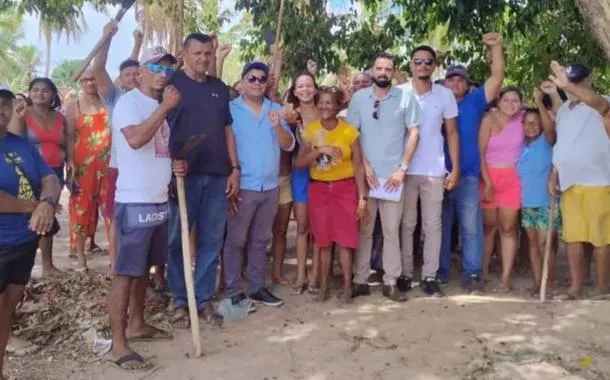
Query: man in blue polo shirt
464, 199
259, 135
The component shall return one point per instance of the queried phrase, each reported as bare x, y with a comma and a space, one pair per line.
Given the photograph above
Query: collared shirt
258, 146
436, 105
383, 138
471, 110
582, 151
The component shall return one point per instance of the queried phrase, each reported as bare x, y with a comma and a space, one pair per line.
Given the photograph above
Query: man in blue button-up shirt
259, 134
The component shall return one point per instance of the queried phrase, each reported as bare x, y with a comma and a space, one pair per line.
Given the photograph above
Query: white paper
381, 193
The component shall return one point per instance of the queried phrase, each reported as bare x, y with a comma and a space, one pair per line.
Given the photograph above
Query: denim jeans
465, 201
207, 207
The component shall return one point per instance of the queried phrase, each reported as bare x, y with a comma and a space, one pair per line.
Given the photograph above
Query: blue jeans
207, 207
465, 201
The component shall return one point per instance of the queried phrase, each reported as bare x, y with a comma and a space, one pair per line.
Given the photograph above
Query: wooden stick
188, 267
278, 29
547, 252
96, 49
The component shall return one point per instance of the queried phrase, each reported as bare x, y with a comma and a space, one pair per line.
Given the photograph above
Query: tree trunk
597, 15
47, 67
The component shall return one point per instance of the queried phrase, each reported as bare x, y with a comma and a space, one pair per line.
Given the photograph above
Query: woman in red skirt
337, 190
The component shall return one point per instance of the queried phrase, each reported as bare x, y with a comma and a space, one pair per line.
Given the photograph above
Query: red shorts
111, 176
332, 213
506, 189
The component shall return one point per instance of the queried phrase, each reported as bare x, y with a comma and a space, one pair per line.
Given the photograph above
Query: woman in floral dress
90, 139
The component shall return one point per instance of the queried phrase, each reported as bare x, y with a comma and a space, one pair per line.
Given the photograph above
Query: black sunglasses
376, 109
254, 79
420, 61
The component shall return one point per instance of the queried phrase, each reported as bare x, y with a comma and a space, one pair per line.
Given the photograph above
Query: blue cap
577, 72
458, 70
254, 65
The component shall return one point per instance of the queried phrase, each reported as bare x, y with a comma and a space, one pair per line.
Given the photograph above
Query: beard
382, 82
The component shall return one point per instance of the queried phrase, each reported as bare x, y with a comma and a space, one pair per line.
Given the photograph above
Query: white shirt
582, 151
436, 105
145, 173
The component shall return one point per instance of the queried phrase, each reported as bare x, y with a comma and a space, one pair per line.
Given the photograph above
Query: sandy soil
458, 337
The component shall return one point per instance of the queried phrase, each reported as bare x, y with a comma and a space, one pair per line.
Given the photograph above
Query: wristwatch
403, 166
50, 201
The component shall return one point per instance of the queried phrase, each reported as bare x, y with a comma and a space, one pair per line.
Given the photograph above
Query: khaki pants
431, 192
390, 214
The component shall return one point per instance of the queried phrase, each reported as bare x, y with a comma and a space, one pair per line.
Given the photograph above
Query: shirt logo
214, 95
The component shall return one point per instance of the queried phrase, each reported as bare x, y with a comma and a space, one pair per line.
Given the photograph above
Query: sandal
299, 289
131, 363
502, 289
210, 316
312, 289
181, 319
151, 334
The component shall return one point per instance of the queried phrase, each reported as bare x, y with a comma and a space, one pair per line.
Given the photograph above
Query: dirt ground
459, 337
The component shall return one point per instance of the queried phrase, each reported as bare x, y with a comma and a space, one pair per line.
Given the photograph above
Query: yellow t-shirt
342, 136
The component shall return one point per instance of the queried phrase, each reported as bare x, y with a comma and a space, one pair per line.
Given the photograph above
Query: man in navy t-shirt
464, 199
29, 191
212, 179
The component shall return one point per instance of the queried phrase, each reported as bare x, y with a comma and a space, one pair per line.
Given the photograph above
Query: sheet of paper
381, 193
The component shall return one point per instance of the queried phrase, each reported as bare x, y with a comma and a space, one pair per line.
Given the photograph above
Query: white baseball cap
156, 54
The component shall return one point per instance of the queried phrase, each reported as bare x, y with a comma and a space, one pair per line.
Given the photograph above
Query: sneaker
375, 278
360, 290
472, 285
242, 300
404, 284
430, 287
264, 296
442, 280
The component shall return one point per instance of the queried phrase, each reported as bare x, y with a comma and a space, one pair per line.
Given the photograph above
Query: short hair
200, 37
425, 48
7, 95
128, 63
382, 55
530, 110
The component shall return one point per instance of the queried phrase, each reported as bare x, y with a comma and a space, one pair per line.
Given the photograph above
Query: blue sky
122, 43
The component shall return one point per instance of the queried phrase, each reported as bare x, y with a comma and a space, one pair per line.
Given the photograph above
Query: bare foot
345, 297
280, 280
503, 288
18, 347
322, 296
148, 333
51, 272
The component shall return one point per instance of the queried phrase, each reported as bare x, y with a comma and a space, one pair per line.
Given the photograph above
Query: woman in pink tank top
500, 142
45, 127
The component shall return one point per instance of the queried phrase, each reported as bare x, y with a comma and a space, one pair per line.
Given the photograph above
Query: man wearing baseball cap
581, 159
260, 133
141, 135
464, 199
29, 191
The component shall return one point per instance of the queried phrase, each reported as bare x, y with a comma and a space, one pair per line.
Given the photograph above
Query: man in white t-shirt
141, 135
426, 175
581, 160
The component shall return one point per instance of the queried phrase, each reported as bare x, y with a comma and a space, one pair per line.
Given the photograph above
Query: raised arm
493, 84
221, 55
548, 125
138, 39
102, 78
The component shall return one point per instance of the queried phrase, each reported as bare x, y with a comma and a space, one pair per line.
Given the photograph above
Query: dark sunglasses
254, 79
156, 68
376, 109
420, 61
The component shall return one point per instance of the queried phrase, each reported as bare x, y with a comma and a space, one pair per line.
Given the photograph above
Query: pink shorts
332, 213
111, 177
506, 189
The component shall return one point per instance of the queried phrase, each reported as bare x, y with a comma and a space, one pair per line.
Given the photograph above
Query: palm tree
72, 28
161, 21
27, 59
62, 74
10, 32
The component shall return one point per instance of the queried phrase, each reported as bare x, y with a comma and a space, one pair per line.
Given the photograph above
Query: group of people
417, 153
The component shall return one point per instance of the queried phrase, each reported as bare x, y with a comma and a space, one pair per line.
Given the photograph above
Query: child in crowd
534, 167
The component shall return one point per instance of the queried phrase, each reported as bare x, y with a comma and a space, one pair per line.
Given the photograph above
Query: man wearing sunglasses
426, 179
259, 134
213, 175
141, 210
464, 199
386, 116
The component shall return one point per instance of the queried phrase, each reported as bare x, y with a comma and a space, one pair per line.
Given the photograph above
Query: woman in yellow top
337, 190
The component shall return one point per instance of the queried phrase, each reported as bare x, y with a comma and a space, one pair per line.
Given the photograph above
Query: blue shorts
142, 237
300, 183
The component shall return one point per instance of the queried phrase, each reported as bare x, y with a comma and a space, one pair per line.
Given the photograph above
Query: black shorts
16, 263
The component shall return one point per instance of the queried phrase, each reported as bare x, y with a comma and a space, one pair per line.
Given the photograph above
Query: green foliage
63, 74
17, 63
308, 32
